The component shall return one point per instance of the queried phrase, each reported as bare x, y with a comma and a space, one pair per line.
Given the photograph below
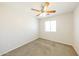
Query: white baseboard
17, 46
59, 42
75, 50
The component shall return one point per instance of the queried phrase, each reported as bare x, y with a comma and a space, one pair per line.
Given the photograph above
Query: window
50, 26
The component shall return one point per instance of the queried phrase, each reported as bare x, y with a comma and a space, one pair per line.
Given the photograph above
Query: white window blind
50, 26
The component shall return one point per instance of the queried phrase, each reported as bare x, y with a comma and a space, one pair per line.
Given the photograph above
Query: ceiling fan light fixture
44, 10
43, 14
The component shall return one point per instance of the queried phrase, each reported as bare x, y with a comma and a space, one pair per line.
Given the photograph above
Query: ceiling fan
44, 9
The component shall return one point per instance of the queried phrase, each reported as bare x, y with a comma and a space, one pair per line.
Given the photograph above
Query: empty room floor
43, 47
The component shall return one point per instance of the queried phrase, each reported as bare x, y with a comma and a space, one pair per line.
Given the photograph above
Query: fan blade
42, 7
51, 11
45, 8
35, 10
46, 4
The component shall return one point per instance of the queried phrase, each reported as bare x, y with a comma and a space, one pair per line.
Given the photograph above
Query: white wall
76, 30
64, 30
18, 26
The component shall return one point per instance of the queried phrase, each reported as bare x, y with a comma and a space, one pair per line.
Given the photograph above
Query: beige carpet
42, 47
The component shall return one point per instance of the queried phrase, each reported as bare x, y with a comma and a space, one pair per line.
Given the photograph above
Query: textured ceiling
60, 7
